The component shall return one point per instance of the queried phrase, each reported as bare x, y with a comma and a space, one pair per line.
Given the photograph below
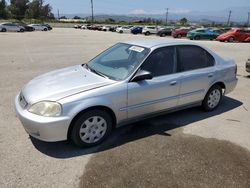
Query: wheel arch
99, 107
219, 83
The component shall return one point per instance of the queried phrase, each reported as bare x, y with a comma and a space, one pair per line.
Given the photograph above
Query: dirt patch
169, 160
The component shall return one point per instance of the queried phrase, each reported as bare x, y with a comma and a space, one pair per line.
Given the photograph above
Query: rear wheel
147, 33
45, 29
21, 30
163, 35
120, 31
179, 36
197, 38
91, 128
212, 98
4, 30
230, 39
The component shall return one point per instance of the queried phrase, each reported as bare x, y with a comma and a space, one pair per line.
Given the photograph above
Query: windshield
119, 61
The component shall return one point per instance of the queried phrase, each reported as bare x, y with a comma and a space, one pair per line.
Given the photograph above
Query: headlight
46, 108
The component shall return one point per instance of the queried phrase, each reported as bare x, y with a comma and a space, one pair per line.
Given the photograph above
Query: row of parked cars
22, 27
220, 34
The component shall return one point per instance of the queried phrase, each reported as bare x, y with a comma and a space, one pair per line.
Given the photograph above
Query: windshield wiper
94, 71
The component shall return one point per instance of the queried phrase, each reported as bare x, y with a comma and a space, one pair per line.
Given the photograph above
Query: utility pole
229, 17
248, 19
167, 16
58, 14
92, 10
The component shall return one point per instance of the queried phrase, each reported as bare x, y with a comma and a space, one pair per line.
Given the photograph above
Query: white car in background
148, 30
123, 30
11, 27
39, 27
83, 27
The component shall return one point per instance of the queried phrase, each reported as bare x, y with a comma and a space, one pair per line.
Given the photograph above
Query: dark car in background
48, 26
136, 30
165, 32
178, 33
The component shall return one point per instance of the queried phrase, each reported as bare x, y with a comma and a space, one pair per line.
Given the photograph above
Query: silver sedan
11, 27
127, 82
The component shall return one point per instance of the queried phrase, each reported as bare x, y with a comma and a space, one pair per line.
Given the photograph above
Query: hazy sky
142, 6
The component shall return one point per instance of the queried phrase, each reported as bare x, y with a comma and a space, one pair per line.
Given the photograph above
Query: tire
212, 98
45, 29
22, 30
230, 39
179, 36
4, 30
85, 133
197, 38
163, 35
121, 31
147, 33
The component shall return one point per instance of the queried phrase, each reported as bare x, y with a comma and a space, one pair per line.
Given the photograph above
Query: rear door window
193, 57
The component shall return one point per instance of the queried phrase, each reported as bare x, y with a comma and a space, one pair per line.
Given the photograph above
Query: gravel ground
197, 143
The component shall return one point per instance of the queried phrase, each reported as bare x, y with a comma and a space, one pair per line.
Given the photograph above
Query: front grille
22, 101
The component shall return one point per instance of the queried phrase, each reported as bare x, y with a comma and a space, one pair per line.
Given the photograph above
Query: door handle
210, 75
173, 83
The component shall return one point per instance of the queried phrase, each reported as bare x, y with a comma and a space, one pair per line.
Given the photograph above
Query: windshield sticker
136, 48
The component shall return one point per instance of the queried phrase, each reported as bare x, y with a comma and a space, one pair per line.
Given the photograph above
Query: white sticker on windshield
136, 48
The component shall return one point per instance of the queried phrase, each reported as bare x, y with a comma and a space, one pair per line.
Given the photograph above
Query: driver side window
160, 62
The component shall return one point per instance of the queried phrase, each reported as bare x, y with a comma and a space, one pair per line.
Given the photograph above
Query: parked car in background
48, 26
11, 27
128, 82
39, 27
165, 32
77, 26
179, 33
83, 27
123, 30
148, 30
237, 34
202, 33
105, 28
26, 27
136, 30
248, 65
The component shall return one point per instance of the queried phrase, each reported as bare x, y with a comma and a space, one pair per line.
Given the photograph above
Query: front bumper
248, 66
49, 129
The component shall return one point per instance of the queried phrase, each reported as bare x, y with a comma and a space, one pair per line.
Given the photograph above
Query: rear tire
197, 38
21, 30
179, 36
163, 35
45, 29
4, 30
231, 39
212, 98
91, 128
147, 33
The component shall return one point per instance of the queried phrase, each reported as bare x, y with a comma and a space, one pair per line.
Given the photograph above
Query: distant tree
77, 18
63, 17
110, 20
183, 21
18, 8
36, 10
3, 10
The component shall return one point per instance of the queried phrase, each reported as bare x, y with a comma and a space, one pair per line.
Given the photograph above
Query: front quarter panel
113, 97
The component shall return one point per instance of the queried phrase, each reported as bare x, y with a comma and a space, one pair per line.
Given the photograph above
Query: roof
152, 43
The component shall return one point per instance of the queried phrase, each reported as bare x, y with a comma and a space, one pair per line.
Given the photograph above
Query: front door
159, 93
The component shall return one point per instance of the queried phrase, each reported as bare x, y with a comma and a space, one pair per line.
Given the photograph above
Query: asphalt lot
183, 149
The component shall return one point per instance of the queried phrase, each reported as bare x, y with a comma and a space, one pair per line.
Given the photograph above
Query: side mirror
142, 75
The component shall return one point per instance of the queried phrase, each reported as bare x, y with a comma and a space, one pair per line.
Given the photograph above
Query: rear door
196, 66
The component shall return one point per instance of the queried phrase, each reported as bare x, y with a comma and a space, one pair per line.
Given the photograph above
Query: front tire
45, 29
231, 39
147, 33
212, 98
197, 38
4, 30
91, 128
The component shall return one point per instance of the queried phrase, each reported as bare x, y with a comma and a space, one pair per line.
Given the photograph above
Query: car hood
62, 83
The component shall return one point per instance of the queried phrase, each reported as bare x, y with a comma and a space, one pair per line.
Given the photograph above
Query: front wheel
231, 39
45, 29
4, 30
212, 98
91, 128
